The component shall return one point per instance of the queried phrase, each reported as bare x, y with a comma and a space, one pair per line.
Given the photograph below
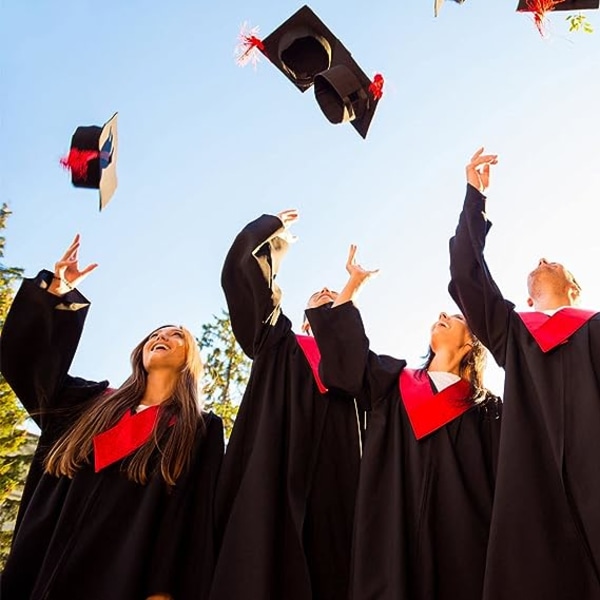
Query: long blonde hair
471, 366
173, 436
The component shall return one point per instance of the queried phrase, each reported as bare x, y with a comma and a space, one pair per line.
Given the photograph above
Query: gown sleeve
347, 363
471, 285
248, 280
38, 343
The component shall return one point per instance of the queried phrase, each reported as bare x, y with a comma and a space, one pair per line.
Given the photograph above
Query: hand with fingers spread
288, 217
478, 170
358, 276
67, 275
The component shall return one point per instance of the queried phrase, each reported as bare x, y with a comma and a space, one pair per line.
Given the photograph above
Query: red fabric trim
309, 346
77, 161
376, 86
551, 331
428, 411
129, 434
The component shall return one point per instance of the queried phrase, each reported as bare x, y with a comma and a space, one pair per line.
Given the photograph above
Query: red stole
129, 434
427, 410
309, 346
551, 331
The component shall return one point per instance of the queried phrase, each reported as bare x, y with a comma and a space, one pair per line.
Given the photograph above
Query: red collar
551, 331
428, 411
310, 349
129, 434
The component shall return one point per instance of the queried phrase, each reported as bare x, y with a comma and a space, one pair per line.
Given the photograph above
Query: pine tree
226, 369
14, 461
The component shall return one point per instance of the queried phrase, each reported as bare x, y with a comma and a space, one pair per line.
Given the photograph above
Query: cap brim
108, 144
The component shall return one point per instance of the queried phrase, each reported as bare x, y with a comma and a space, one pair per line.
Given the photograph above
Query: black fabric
545, 533
288, 482
423, 507
97, 536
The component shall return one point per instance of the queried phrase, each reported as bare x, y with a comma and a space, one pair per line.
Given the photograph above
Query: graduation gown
423, 506
545, 533
287, 487
97, 535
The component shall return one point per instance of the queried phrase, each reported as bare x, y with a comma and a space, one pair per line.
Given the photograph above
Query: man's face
550, 277
323, 296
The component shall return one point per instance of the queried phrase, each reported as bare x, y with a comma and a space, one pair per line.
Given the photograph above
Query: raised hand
358, 276
478, 170
67, 274
288, 217
357, 273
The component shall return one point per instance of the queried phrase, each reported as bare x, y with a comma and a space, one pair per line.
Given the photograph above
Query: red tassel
539, 8
248, 46
77, 161
376, 87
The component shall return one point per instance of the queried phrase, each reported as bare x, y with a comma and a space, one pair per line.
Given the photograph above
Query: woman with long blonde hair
427, 474
118, 500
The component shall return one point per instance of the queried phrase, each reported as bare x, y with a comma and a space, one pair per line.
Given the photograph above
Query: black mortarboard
308, 54
92, 159
532, 5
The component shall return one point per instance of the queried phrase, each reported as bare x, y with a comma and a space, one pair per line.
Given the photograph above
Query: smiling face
449, 331
165, 348
323, 296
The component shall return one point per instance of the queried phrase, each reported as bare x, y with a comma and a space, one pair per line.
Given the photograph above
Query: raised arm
346, 361
248, 279
41, 333
471, 284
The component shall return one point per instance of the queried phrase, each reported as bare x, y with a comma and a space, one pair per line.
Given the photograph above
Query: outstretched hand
358, 276
288, 217
67, 274
478, 170
357, 273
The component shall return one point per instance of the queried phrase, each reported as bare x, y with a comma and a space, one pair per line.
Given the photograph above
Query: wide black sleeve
38, 343
471, 285
248, 280
347, 364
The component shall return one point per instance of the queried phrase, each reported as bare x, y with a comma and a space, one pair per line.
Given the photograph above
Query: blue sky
206, 146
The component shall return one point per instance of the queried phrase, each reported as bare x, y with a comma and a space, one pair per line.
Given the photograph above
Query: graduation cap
92, 159
437, 5
309, 55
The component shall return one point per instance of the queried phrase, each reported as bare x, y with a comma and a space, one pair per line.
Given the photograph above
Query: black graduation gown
287, 487
423, 507
96, 536
545, 533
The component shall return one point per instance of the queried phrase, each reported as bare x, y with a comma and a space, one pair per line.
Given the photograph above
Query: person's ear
530, 302
574, 292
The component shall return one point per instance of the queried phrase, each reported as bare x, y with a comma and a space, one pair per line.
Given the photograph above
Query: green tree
579, 22
13, 436
226, 369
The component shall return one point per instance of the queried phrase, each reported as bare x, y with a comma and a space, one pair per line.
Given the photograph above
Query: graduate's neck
551, 301
160, 386
446, 360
